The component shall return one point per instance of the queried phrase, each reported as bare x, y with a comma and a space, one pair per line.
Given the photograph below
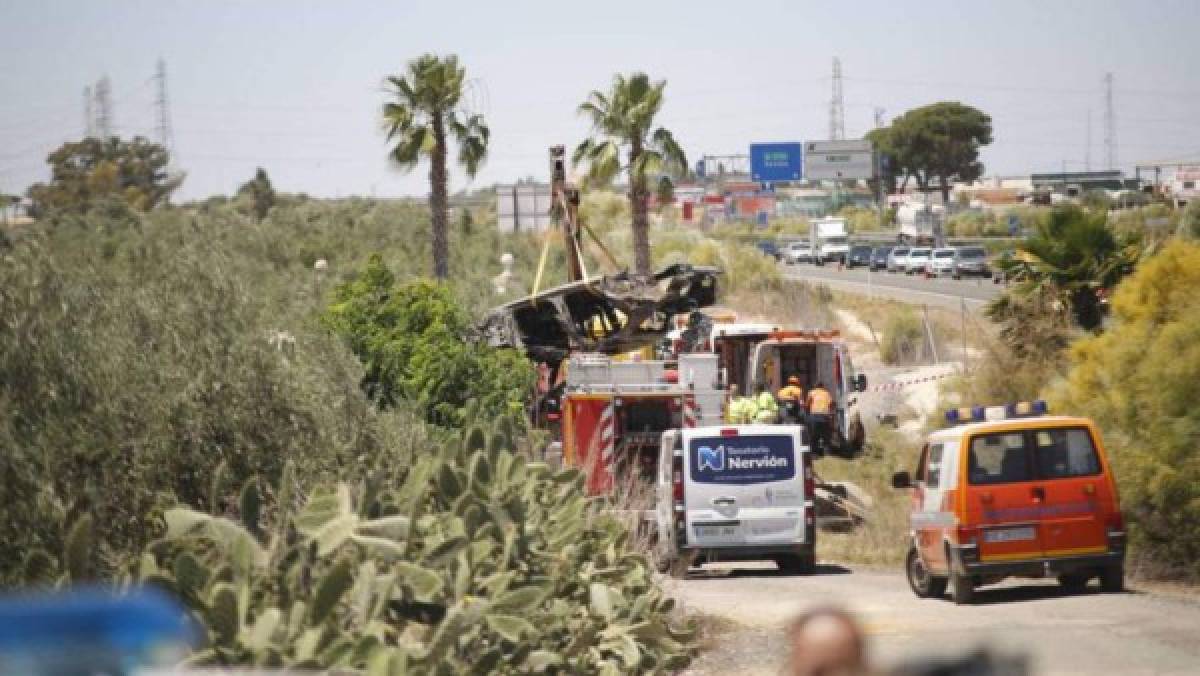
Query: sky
296, 86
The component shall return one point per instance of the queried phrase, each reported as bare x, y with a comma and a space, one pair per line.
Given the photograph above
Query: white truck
735, 493
829, 240
920, 223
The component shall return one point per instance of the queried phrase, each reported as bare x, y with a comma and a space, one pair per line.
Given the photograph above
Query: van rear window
742, 460
1065, 453
998, 459
1046, 454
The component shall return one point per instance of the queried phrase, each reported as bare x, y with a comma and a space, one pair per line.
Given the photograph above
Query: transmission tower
837, 105
1110, 123
163, 127
879, 117
1087, 153
89, 119
104, 116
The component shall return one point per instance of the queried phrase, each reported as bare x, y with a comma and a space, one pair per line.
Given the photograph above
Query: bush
413, 339
904, 340
1189, 221
1140, 381
127, 380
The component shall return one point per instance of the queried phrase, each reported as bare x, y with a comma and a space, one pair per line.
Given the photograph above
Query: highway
943, 292
1136, 632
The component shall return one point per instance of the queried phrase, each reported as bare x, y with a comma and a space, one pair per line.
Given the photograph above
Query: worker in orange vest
820, 413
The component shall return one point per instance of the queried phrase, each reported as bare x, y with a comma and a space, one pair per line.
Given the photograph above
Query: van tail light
810, 479
1115, 522
968, 544
967, 535
1115, 530
677, 479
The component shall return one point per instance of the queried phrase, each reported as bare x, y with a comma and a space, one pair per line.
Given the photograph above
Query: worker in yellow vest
820, 414
768, 408
791, 401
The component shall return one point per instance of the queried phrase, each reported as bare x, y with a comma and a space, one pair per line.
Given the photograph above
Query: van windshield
742, 460
1012, 457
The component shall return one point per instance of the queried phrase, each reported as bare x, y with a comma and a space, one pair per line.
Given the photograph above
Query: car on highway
769, 248
879, 257
916, 259
860, 255
798, 252
896, 258
941, 262
971, 261
1007, 491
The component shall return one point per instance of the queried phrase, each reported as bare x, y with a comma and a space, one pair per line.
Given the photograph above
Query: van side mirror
902, 480
860, 382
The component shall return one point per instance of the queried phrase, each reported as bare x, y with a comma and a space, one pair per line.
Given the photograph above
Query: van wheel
923, 583
962, 589
796, 564
1073, 583
1112, 579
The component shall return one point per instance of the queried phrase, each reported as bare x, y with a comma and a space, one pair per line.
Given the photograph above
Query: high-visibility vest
792, 392
820, 401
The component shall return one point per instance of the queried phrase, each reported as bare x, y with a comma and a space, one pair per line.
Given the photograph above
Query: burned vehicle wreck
608, 314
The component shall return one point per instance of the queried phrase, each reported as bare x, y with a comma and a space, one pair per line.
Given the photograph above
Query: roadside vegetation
188, 400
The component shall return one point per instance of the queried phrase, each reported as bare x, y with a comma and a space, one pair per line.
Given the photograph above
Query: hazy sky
296, 86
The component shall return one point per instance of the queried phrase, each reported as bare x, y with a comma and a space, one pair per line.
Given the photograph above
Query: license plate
1009, 534
716, 531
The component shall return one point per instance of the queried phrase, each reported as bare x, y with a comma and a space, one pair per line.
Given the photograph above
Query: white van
735, 493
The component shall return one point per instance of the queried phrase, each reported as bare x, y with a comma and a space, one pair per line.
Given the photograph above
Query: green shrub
1140, 381
904, 340
413, 339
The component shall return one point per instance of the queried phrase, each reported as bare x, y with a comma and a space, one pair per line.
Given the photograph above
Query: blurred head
821, 384
793, 380
826, 642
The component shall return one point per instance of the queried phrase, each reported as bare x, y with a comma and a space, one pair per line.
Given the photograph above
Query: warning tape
891, 387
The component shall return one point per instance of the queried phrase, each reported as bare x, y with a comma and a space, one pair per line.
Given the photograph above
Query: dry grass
883, 538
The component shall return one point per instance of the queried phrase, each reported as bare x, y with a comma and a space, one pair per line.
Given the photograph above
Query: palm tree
623, 142
427, 111
1073, 259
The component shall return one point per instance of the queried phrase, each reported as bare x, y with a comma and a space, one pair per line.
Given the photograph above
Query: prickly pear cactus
471, 559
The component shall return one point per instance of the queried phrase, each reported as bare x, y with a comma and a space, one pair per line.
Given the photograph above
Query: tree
1069, 264
938, 142
88, 171
664, 192
425, 114
621, 125
413, 340
260, 193
1140, 381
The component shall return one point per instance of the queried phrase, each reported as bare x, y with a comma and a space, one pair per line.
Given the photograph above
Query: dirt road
1092, 633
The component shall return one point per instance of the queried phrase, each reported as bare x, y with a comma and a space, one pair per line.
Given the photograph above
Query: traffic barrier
892, 387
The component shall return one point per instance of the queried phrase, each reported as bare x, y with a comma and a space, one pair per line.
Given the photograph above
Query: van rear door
1000, 493
744, 486
1073, 493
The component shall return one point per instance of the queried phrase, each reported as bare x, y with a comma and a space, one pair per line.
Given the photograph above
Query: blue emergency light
1020, 409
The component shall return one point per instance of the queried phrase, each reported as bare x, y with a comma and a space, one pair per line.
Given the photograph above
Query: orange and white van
1012, 492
